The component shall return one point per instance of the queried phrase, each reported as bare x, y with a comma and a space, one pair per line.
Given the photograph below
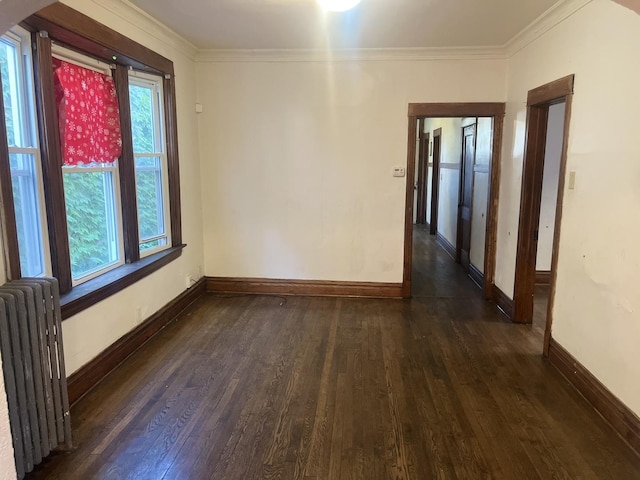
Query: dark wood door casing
532, 174
435, 180
465, 195
538, 102
423, 160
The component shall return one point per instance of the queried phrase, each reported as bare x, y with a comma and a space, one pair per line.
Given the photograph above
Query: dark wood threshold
91, 292
88, 376
318, 288
503, 301
446, 245
622, 419
543, 277
476, 275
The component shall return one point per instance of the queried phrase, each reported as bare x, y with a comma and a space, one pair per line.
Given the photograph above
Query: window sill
92, 291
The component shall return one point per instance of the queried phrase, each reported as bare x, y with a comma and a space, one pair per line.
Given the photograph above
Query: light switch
199, 108
572, 180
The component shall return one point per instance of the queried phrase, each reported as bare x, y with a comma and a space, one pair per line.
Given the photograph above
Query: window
147, 128
90, 163
95, 149
24, 155
93, 219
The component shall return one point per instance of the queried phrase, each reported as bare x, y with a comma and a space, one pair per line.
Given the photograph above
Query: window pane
142, 119
8, 56
27, 208
16, 102
91, 220
151, 182
149, 196
158, 242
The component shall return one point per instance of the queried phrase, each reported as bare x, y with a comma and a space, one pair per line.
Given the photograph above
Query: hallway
256, 387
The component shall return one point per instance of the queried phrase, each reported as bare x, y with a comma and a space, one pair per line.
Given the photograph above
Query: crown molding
350, 55
140, 19
541, 25
555, 15
144, 22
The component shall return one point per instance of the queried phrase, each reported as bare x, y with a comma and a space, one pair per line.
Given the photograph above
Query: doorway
463, 240
548, 115
435, 183
422, 186
494, 112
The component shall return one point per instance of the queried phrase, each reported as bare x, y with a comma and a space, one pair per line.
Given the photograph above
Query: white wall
7, 465
549, 200
7, 462
596, 312
297, 161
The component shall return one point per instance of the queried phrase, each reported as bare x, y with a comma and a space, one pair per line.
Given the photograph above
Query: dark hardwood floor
441, 386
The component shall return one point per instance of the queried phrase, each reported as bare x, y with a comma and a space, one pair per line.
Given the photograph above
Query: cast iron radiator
33, 367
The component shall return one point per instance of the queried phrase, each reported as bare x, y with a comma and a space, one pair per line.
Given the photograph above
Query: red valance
88, 114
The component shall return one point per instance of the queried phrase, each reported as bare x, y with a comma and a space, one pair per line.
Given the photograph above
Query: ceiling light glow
338, 5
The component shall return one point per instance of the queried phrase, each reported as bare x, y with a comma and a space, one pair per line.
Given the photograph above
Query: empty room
319, 239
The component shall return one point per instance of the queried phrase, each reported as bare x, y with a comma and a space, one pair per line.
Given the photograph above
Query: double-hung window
152, 186
24, 154
92, 154
91, 145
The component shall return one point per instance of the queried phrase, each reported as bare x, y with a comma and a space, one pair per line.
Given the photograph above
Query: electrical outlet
138, 314
189, 281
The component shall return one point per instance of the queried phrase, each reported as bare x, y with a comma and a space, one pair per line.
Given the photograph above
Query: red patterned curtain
88, 115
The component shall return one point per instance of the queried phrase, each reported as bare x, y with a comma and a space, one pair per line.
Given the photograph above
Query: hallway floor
256, 387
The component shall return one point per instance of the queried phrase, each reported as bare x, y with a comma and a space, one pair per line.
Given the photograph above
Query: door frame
435, 184
422, 110
423, 169
538, 102
459, 236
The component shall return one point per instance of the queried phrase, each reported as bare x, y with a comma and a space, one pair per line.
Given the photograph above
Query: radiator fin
33, 368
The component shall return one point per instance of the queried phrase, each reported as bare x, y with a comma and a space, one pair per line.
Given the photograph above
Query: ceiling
301, 24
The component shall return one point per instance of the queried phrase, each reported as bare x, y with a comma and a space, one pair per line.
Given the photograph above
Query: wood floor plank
442, 386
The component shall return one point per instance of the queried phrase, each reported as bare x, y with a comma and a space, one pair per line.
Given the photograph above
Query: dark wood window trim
84, 34
127, 168
89, 293
8, 214
173, 171
74, 30
51, 171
